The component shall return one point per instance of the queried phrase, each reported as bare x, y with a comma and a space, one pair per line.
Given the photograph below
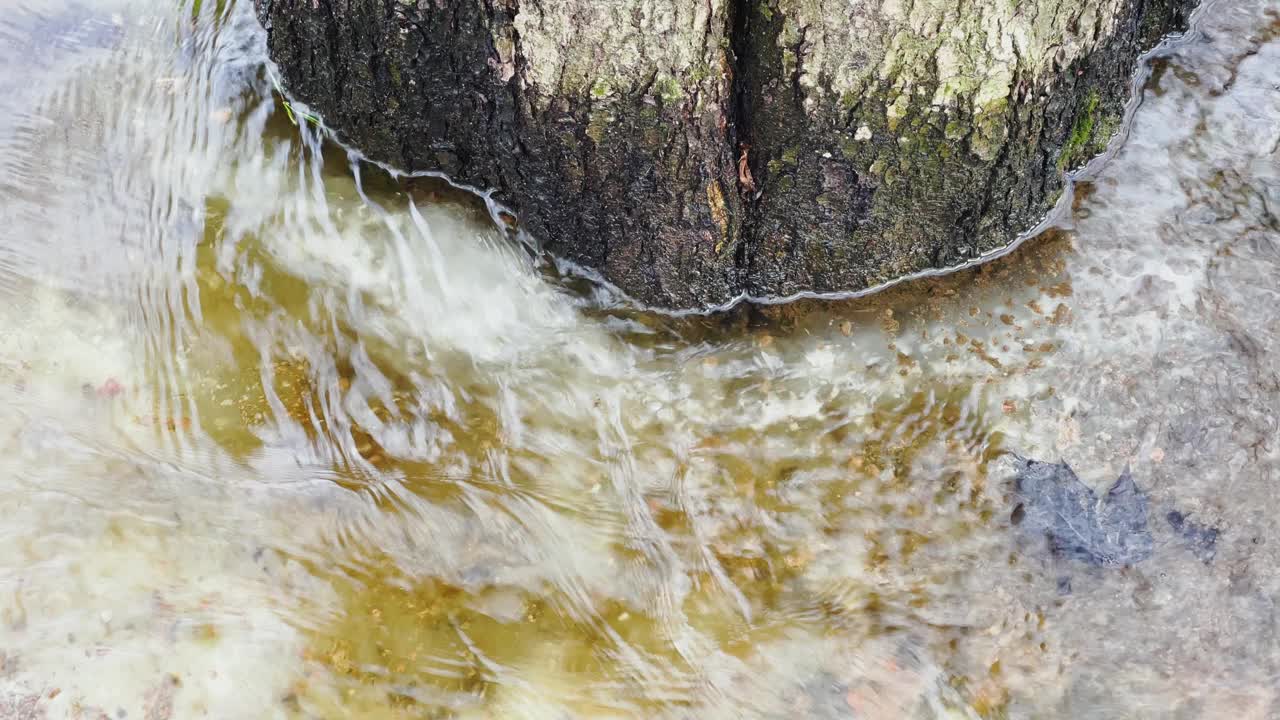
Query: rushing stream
284, 437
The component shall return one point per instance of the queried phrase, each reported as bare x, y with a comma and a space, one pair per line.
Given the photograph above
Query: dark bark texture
693, 151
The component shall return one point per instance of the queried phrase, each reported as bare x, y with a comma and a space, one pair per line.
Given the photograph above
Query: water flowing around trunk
286, 436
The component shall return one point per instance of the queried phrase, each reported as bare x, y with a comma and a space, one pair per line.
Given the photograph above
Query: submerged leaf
1200, 539
1108, 531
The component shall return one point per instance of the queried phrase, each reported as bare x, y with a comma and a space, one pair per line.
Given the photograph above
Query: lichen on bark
944, 128
696, 150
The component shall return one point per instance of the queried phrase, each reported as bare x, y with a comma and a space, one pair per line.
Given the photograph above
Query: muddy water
287, 438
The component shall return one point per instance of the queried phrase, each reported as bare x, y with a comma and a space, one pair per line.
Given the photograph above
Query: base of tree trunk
695, 151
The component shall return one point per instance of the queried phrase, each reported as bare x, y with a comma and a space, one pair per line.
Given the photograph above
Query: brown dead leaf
745, 179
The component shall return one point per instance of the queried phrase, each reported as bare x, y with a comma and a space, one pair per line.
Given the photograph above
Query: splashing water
289, 437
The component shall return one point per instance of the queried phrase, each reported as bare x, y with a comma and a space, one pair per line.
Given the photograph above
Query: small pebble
109, 389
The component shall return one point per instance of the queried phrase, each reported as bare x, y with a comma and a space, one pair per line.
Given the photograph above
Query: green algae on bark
694, 153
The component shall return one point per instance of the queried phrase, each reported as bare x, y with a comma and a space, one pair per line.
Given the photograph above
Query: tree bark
693, 151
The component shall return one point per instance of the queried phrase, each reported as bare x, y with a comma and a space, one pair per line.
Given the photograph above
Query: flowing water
285, 437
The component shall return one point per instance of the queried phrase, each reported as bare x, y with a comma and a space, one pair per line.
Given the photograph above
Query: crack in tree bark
740, 138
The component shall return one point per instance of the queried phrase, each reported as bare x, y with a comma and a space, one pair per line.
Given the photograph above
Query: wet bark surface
693, 153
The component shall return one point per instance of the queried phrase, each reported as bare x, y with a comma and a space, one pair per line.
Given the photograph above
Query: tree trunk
693, 151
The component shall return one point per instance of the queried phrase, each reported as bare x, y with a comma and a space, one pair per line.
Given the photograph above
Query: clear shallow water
281, 444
